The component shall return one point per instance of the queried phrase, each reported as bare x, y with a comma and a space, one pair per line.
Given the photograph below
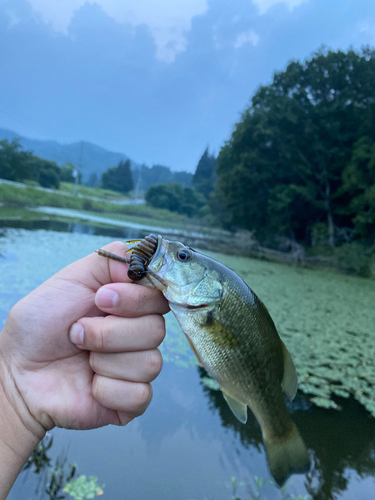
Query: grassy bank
82, 190
29, 197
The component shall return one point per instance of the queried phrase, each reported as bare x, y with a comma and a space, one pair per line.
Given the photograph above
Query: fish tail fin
287, 456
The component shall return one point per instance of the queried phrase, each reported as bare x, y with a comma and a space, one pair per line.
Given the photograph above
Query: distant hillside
84, 155
92, 159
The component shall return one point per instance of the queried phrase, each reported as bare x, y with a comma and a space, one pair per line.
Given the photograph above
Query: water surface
187, 445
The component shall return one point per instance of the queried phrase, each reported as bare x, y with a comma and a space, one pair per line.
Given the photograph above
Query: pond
188, 445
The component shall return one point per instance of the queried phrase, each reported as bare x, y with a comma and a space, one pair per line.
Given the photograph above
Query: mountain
88, 158
92, 159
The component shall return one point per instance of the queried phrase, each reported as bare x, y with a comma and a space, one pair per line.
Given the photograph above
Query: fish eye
183, 255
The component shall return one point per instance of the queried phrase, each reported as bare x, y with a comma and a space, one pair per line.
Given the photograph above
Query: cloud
367, 29
105, 80
168, 21
246, 37
264, 5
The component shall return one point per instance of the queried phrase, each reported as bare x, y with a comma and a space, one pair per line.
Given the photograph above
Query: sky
156, 80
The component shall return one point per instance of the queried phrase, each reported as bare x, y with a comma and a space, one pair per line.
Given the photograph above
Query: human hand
47, 380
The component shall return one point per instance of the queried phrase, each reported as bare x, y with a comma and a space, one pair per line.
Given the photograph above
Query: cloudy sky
156, 80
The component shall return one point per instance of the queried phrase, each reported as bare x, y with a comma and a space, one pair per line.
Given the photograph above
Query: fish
235, 339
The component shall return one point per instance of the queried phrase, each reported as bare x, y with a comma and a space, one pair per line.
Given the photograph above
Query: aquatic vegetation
326, 321
53, 476
39, 459
234, 487
82, 488
59, 478
58, 475
175, 348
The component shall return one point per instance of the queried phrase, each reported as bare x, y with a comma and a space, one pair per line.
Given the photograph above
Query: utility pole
75, 175
78, 170
139, 181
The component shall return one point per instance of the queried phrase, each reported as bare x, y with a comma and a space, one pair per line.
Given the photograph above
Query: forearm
19, 432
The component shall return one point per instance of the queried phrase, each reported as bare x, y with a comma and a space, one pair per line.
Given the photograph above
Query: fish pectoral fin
289, 383
239, 409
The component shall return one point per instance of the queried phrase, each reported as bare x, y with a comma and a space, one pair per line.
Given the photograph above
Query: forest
301, 162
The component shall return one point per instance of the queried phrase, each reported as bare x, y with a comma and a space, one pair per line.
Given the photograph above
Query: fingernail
105, 297
77, 334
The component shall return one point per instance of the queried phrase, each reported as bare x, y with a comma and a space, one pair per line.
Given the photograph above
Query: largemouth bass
235, 339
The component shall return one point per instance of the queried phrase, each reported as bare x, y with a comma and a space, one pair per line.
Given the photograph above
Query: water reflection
340, 440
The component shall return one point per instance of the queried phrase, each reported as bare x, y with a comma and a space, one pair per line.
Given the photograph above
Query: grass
108, 194
29, 197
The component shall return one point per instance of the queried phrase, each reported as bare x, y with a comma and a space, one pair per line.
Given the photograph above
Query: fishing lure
140, 257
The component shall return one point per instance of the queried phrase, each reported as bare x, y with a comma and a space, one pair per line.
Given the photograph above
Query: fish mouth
188, 306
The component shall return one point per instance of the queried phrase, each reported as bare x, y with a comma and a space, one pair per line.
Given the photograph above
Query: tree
93, 180
67, 173
18, 165
175, 198
14, 163
359, 187
45, 172
118, 178
281, 171
183, 178
205, 174
146, 177
49, 178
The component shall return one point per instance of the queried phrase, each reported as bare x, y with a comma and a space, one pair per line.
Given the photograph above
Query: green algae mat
327, 321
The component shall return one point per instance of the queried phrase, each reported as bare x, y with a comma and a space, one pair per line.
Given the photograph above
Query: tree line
301, 161
19, 166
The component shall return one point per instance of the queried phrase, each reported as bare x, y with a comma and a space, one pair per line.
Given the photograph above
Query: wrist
19, 431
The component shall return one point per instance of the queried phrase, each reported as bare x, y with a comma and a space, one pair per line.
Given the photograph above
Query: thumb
95, 271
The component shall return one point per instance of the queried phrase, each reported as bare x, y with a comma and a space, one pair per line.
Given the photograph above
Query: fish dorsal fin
289, 383
239, 409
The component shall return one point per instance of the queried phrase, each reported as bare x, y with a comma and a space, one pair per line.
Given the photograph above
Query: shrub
354, 258
49, 178
175, 198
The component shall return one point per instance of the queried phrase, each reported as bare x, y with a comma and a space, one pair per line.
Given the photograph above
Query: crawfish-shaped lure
140, 257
